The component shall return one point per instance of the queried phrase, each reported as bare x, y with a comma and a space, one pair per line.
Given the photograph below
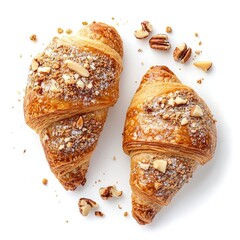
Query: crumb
66, 221
198, 52
125, 214
59, 30
116, 182
24, 151
135, 81
119, 206
114, 158
44, 181
180, 69
196, 34
20, 55
199, 81
113, 18
168, 29
33, 37
117, 24
99, 180
140, 50
84, 23
69, 31
99, 214
142, 63
104, 173
95, 182
200, 43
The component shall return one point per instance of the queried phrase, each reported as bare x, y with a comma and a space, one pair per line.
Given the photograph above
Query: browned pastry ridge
71, 85
168, 132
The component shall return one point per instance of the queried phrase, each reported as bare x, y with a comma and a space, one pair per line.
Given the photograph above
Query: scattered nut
160, 165
160, 42
33, 37
80, 123
184, 121
182, 53
85, 205
144, 31
168, 29
144, 166
45, 70
34, 65
203, 65
180, 101
44, 181
99, 214
108, 192
77, 68
196, 111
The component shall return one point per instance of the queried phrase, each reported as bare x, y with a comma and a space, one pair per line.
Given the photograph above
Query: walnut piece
160, 165
85, 205
182, 53
196, 111
144, 166
109, 192
77, 68
99, 214
144, 31
160, 42
203, 65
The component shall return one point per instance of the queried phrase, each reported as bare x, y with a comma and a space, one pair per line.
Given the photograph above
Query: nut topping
144, 31
80, 123
85, 205
34, 65
196, 111
180, 101
144, 166
80, 84
184, 121
160, 42
77, 68
203, 65
182, 53
109, 192
45, 70
160, 165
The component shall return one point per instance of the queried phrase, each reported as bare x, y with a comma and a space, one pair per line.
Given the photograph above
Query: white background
207, 207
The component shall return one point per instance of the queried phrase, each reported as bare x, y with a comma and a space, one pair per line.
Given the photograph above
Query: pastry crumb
198, 52
69, 31
99, 214
114, 158
113, 18
60, 30
200, 43
20, 55
66, 221
33, 37
24, 151
125, 214
119, 206
199, 81
168, 29
84, 23
196, 34
142, 63
44, 181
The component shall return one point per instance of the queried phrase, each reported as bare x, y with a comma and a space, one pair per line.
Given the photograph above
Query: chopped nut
45, 70
69, 144
69, 31
99, 214
44, 181
125, 214
33, 37
166, 117
45, 138
144, 166
54, 88
168, 29
182, 53
160, 165
184, 121
61, 147
68, 79
160, 42
85, 205
146, 29
180, 101
67, 139
89, 85
59, 30
108, 192
77, 68
196, 111
80, 84
80, 122
34, 65
171, 101
203, 65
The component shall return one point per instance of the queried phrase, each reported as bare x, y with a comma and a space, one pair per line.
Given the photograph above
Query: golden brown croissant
70, 87
169, 130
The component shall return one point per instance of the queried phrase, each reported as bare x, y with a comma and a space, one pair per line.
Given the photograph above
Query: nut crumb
99, 214
144, 166
184, 121
109, 192
33, 37
84, 23
125, 214
168, 29
69, 31
60, 30
44, 181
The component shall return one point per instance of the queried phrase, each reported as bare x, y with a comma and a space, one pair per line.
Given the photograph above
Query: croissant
71, 85
168, 132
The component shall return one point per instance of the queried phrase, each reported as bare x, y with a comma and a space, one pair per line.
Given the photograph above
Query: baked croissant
168, 132
71, 85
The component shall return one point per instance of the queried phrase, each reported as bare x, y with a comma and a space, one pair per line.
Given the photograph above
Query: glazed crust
58, 97
160, 126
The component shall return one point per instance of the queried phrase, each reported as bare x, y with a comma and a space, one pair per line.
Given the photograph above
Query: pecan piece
182, 53
85, 205
160, 42
144, 31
